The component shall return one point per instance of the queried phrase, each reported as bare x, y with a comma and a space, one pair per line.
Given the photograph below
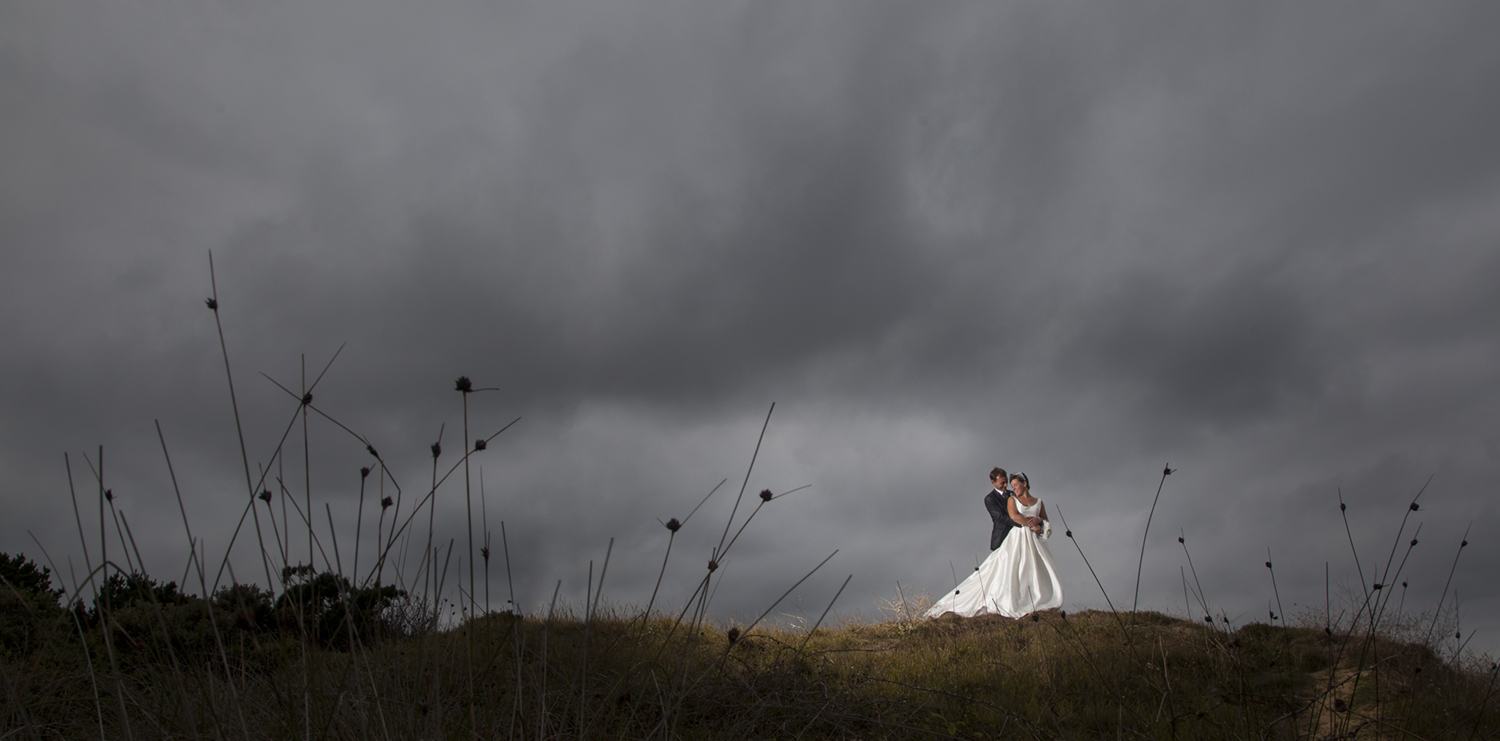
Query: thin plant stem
509, 584
1413, 507
306, 461
469, 534
213, 304
1069, 532
704, 500
78, 518
484, 526
809, 635
250, 505
737, 499
106, 614
359, 520
1135, 602
1274, 590
437, 449
1344, 513
1202, 597
1463, 543
468, 499
646, 614
541, 716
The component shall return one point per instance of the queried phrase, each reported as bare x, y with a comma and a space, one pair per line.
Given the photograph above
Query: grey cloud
1220, 352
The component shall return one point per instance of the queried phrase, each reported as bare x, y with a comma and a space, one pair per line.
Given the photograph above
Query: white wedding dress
1017, 579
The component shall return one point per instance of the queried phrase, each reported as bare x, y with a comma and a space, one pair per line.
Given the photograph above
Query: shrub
28, 604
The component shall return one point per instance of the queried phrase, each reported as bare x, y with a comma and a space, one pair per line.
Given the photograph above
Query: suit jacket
995, 502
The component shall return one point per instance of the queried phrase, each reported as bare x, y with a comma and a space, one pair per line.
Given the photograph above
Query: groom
995, 502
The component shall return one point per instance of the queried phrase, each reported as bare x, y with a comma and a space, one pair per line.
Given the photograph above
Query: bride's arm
1015, 515
1043, 513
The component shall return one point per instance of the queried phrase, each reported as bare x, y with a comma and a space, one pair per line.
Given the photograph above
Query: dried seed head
1180, 540
307, 398
1463, 544
1343, 506
1414, 542
1207, 619
485, 552
1167, 471
1414, 507
265, 496
211, 303
437, 450
1268, 564
1378, 585
480, 444
371, 448
1403, 585
1273, 614
109, 495
733, 635
463, 384
673, 525
712, 564
384, 503
1068, 533
765, 495
364, 472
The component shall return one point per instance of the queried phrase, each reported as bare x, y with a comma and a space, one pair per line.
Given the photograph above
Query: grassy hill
172, 666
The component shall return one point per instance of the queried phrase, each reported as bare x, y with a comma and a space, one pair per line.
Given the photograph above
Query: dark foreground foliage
325, 660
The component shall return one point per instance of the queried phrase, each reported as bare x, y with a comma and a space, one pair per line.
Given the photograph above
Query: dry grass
1056, 676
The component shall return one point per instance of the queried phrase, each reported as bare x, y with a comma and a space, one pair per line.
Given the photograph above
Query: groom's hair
997, 473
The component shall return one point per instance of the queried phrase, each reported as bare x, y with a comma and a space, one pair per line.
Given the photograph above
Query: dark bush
23, 575
121, 591
328, 608
29, 606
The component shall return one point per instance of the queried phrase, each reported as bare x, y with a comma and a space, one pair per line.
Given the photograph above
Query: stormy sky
1257, 242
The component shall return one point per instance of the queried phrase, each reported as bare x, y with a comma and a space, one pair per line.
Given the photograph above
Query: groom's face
999, 483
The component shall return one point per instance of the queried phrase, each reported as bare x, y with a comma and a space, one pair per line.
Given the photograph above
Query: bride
1018, 578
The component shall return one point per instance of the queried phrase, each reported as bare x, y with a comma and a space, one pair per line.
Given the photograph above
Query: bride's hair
1022, 477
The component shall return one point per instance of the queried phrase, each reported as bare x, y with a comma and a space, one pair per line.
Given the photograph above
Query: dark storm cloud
1216, 353
1256, 242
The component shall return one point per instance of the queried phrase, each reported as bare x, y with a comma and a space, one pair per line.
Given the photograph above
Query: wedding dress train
1017, 579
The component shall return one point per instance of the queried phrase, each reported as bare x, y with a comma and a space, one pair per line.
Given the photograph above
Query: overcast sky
1259, 242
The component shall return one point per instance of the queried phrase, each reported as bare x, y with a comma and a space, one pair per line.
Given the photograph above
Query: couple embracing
1018, 578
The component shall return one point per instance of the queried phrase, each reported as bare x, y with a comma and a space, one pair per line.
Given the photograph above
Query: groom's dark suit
996, 502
